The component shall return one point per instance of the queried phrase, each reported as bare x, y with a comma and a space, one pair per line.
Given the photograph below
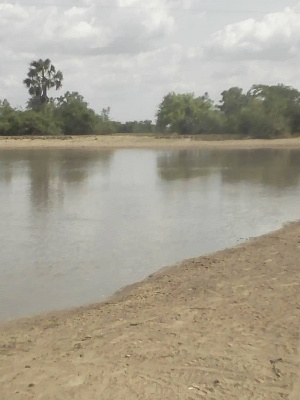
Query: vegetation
64, 115
263, 112
41, 77
188, 115
136, 127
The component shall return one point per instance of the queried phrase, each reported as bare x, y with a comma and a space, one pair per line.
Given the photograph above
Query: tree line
262, 112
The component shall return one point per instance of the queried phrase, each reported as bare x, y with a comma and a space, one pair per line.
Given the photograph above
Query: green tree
254, 122
8, 118
281, 104
233, 100
41, 77
265, 111
76, 118
173, 110
187, 114
37, 123
17, 123
145, 126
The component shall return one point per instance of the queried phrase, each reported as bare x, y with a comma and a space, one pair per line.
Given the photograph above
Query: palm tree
42, 76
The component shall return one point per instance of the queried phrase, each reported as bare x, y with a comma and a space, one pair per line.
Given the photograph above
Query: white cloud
95, 28
81, 30
274, 37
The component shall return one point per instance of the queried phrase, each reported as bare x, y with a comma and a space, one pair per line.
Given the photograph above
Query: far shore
143, 141
221, 326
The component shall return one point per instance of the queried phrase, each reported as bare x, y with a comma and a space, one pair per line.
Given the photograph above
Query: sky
129, 54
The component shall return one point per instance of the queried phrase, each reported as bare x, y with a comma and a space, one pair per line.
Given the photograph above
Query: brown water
77, 225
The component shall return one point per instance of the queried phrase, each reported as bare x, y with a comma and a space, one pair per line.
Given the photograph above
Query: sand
127, 141
222, 326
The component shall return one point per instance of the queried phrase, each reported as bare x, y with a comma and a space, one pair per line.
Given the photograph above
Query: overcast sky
128, 54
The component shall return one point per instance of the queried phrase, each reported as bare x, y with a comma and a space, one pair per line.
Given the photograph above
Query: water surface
78, 224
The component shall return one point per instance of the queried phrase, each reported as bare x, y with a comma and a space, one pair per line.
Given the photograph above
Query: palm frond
41, 77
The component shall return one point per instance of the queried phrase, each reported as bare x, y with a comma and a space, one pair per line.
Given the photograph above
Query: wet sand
127, 141
222, 326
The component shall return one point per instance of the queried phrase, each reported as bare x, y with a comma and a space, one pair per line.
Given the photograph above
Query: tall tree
233, 100
187, 114
281, 104
41, 77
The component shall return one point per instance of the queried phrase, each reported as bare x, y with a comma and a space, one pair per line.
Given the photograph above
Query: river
76, 225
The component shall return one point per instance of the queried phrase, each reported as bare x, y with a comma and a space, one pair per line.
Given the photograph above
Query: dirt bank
126, 141
223, 326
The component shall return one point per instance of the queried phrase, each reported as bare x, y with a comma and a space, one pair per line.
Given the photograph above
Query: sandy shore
127, 141
223, 326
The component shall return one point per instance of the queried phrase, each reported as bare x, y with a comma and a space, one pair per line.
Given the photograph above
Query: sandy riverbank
223, 326
127, 141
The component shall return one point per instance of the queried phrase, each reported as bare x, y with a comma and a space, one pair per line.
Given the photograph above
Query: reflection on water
77, 225
50, 172
270, 167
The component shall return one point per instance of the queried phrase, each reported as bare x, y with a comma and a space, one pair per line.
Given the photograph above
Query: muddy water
77, 225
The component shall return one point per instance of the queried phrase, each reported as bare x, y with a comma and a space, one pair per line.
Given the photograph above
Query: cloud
130, 85
90, 28
274, 37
